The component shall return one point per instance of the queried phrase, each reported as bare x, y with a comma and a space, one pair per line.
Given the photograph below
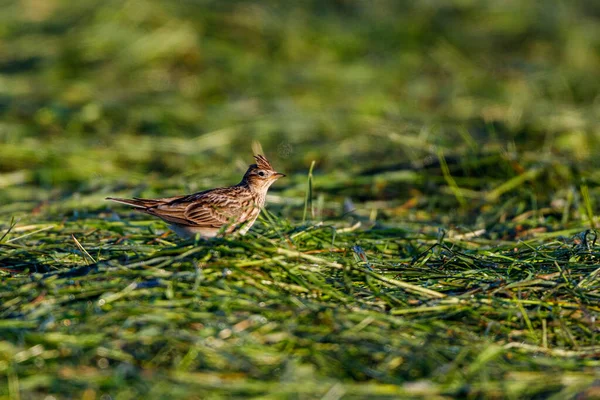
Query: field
435, 236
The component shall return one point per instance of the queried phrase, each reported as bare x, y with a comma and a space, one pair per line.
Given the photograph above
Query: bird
214, 212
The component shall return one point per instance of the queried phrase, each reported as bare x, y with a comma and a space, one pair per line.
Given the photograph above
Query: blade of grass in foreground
309, 194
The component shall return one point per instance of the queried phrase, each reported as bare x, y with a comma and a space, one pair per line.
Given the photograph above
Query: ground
435, 236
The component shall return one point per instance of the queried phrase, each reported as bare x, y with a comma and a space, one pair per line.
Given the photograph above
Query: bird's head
261, 175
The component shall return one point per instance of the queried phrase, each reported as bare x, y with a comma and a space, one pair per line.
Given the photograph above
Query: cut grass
443, 246
264, 314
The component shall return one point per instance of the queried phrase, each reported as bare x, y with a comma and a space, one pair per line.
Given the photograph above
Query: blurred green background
110, 96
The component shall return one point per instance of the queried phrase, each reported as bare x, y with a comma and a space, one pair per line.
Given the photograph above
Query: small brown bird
217, 211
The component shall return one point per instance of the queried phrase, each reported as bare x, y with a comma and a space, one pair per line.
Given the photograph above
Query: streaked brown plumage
217, 211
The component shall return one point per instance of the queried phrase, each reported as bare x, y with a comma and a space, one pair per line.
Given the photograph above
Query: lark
214, 212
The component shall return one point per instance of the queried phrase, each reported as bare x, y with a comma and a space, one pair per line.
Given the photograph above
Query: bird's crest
262, 162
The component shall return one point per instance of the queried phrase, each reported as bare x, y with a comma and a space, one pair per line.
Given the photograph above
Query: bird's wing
213, 208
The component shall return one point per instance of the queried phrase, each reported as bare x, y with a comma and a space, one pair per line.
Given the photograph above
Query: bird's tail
135, 202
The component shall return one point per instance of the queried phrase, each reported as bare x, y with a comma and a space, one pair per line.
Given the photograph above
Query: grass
442, 244
224, 319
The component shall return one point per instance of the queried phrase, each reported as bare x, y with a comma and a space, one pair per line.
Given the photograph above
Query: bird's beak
278, 175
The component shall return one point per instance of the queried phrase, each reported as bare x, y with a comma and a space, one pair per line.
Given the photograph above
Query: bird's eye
261, 173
